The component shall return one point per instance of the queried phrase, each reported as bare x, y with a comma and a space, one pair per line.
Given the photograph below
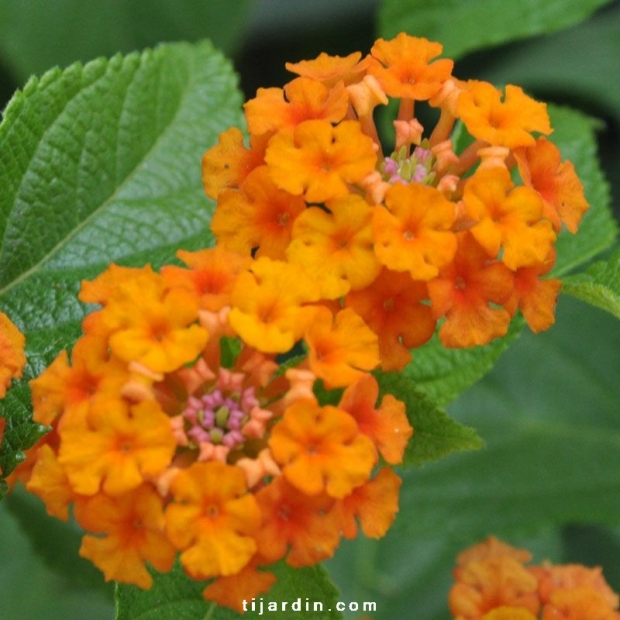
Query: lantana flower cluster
225, 412
454, 224
493, 581
177, 431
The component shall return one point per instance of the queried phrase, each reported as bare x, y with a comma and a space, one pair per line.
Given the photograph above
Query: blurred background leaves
565, 379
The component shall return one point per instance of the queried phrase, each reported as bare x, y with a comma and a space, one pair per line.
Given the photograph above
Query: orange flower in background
403, 66
12, 343
493, 583
258, 218
541, 167
341, 350
336, 247
319, 160
321, 449
502, 123
302, 99
133, 525
212, 520
413, 233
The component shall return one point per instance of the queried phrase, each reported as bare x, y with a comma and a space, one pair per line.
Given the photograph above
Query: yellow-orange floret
227, 164
211, 275
330, 70
336, 246
258, 218
341, 350
115, 446
557, 182
387, 426
212, 520
507, 217
299, 526
268, 311
320, 161
133, 528
413, 232
374, 504
507, 123
321, 449
394, 308
302, 99
469, 293
405, 68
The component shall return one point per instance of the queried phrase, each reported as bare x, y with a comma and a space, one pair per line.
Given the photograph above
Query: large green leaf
549, 415
599, 285
174, 596
100, 163
37, 35
466, 25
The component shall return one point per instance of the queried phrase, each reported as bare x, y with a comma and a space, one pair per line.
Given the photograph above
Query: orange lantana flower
330, 70
393, 308
501, 123
578, 604
211, 275
493, 582
133, 525
375, 504
228, 163
541, 167
341, 350
268, 311
302, 99
258, 218
509, 613
319, 160
403, 67
212, 519
336, 247
413, 233
299, 526
12, 357
468, 292
115, 447
321, 449
507, 217
387, 426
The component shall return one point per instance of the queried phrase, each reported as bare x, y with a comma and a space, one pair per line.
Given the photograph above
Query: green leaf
466, 25
56, 542
100, 163
29, 589
549, 416
599, 285
435, 434
38, 35
174, 596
